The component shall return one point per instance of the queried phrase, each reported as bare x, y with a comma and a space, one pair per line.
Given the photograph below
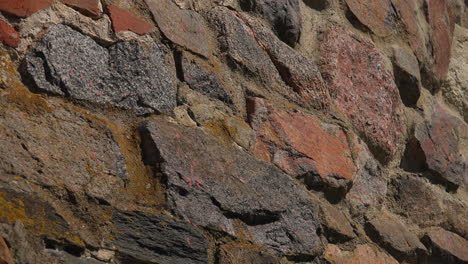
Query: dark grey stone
158, 239
283, 15
210, 184
203, 81
129, 75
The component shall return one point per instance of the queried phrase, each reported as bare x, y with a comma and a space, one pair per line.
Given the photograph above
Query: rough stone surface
46, 140
337, 224
283, 15
455, 90
362, 254
448, 247
297, 71
5, 255
243, 51
188, 30
441, 141
364, 90
407, 76
317, 149
413, 21
442, 24
65, 62
207, 186
8, 35
91, 8
245, 253
378, 15
123, 20
201, 79
427, 205
158, 239
23, 8
394, 236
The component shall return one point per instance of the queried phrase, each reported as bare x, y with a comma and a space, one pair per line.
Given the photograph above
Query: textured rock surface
320, 153
378, 15
8, 35
158, 239
233, 131
442, 24
447, 246
456, 88
393, 235
442, 141
123, 20
88, 7
198, 184
5, 255
23, 8
188, 30
362, 254
283, 15
363, 89
407, 76
68, 63
203, 80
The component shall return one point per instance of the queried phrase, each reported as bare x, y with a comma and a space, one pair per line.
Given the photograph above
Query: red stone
442, 24
88, 7
377, 15
362, 254
363, 89
320, 148
123, 20
23, 8
8, 35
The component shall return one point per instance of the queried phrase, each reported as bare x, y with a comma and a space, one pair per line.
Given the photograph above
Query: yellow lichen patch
144, 190
9, 77
36, 216
12, 211
217, 129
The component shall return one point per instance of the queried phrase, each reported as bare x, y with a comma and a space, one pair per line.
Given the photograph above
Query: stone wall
233, 131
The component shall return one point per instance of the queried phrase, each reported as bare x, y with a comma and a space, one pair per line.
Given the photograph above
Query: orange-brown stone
88, 7
23, 8
299, 142
5, 255
123, 20
8, 35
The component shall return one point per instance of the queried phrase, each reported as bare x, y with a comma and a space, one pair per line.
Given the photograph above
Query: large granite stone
155, 239
128, 74
364, 90
214, 185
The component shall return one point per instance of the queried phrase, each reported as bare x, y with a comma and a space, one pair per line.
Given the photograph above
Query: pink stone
364, 90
